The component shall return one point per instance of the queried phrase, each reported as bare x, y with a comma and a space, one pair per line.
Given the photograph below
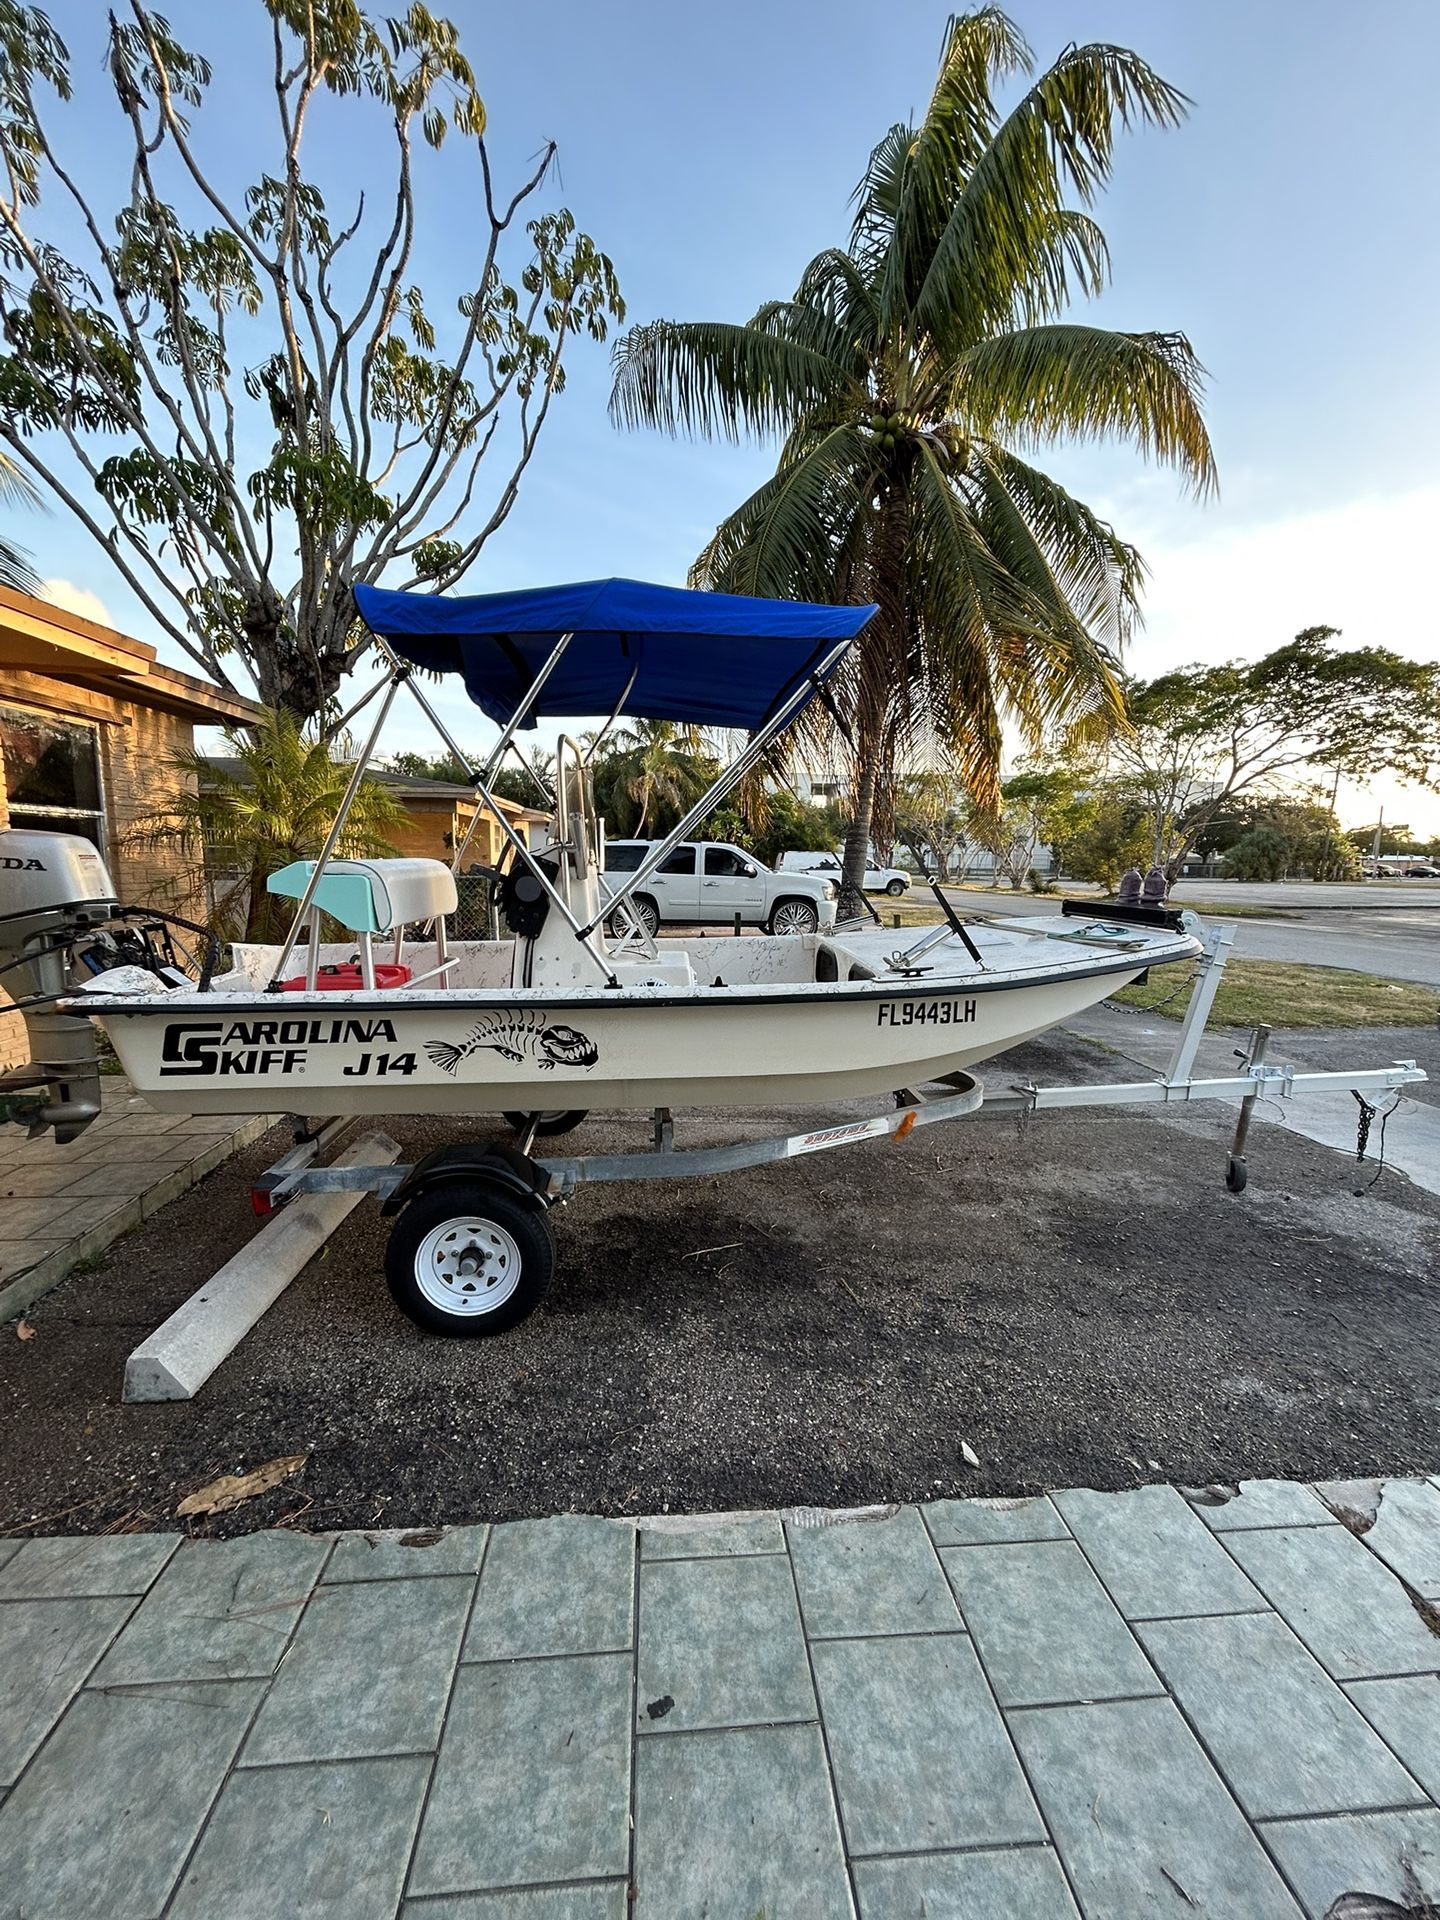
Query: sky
1286, 228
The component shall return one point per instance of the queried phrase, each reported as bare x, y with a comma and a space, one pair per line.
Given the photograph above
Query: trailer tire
1236, 1173
469, 1259
552, 1121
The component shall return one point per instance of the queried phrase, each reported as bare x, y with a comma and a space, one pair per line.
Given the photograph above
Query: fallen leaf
24, 1330
231, 1488
971, 1457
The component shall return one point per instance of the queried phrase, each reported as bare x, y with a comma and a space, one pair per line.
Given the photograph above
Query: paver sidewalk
1109, 1705
60, 1205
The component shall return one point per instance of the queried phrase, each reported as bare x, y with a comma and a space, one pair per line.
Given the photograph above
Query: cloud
81, 600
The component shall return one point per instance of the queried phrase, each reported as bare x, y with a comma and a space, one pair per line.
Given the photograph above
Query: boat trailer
472, 1250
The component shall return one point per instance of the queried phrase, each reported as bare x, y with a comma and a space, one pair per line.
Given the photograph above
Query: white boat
711, 1023
576, 1006
563, 1014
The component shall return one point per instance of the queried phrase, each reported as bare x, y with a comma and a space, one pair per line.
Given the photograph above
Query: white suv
709, 882
891, 880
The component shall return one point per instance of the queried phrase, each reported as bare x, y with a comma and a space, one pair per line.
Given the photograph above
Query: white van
891, 880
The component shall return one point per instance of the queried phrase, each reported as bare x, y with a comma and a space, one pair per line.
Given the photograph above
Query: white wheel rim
792, 920
467, 1265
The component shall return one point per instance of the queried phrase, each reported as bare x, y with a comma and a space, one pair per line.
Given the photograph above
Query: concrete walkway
1116, 1705
61, 1205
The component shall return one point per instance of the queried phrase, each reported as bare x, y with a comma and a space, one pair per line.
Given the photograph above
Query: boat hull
442, 1054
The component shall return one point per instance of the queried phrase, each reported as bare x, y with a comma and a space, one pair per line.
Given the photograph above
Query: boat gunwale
780, 992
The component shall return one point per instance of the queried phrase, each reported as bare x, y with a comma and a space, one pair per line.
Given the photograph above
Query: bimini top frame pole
728, 781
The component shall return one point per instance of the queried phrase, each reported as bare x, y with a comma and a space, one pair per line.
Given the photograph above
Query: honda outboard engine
54, 890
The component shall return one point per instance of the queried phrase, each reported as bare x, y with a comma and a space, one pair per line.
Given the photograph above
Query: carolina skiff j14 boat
575, 1007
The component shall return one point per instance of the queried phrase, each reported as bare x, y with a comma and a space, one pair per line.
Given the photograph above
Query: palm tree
906, 376
659, 768
16, 572
275, 803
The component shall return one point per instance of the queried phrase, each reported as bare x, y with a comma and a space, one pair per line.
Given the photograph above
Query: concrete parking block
102, 1821
1346, 1606
368, 1672
1141, 1819
533, 1780
1157, 1559
47, 1647
1394, 1856
554, 1586
920, 1755
871, 1576
307, 1842
406, 1553
738, 1824
975, 1523
700, 1536
101, 1564
1264, 1503
1279, 1729
1022, 1883
721, 1640
598, 1902
1406, 1714
1406, 1534
1046, 1629
221, 1610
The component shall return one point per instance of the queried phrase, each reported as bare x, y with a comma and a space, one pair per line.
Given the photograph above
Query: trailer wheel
468, 1258
1236, 1173
552, 1121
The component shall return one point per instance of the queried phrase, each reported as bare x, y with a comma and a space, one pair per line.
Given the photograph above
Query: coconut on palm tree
907, 378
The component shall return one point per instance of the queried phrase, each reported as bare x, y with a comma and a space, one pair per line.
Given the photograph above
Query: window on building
52, 774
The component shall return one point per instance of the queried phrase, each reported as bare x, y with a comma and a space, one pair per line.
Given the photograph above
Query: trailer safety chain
1368, 1112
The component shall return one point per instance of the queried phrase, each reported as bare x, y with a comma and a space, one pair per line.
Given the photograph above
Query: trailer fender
467, 1161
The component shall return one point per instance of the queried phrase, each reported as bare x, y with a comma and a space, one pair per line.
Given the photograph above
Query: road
1399, 943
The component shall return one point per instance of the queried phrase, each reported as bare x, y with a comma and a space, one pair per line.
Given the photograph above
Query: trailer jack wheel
1236, 1172
469, 1259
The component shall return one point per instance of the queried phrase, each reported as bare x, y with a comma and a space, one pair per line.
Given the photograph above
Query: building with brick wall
89, 722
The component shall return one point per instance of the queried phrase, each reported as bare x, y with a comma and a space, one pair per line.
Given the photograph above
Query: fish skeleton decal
519, 1037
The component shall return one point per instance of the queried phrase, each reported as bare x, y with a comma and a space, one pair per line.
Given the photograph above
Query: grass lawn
1282, 993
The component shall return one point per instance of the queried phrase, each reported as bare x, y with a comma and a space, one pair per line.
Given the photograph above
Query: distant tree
647, 774
932, 818
277, 805
1399, 838
1261, 853
1205, 738
420, 766
245, 397
1115, 836
908, 377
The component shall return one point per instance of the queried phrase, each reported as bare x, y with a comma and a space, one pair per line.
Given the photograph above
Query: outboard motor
54, 890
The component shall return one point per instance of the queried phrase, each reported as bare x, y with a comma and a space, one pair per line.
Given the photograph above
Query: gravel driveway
1078, 1300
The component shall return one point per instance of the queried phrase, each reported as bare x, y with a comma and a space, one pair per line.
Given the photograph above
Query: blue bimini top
707, 659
